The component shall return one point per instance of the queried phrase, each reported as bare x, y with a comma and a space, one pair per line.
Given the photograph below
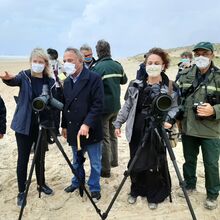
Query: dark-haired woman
150, 175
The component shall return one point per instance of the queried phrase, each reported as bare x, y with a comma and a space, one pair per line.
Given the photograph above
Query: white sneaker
132, 199
152, 206
188, 191
210, 204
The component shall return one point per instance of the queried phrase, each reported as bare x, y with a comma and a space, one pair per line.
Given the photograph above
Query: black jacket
141, 73
2, 116
83, 104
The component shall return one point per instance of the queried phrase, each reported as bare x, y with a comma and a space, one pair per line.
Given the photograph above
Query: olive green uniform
197, 131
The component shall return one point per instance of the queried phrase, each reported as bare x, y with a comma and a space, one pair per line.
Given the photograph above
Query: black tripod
164, 138
43, 128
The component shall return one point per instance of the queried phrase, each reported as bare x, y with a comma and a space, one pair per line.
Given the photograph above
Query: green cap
204, 45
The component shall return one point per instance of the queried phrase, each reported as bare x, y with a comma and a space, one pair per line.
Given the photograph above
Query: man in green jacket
113, 75
200, 93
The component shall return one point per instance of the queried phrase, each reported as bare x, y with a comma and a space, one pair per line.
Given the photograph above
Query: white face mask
69, 68
153, 70
202, 62
37, 67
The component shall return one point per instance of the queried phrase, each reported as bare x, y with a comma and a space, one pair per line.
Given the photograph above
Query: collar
104, 58
75, 78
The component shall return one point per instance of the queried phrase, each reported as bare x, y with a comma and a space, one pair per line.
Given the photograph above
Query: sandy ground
71, 206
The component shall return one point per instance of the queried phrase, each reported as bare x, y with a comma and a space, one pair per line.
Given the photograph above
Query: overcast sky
131, 27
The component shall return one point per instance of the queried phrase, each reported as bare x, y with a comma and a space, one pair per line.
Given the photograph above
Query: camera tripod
163, 137
43, 128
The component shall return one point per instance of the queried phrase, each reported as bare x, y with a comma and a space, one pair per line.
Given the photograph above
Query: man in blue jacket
83, 105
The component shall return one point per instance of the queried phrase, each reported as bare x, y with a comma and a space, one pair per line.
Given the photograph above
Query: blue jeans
94, 153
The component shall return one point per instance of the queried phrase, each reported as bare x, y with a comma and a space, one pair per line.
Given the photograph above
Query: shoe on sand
210, 204
132, 199
188, 191
152, 206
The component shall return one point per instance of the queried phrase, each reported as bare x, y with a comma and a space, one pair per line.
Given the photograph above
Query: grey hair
76, 51
85, 47
39, 52
103, 49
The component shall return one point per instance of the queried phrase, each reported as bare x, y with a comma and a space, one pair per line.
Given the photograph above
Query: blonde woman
25, 121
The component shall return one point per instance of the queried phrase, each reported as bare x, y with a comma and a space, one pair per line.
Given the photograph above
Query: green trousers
110, 143
210, 153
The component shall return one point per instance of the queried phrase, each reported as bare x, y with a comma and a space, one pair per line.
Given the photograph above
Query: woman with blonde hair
25, 122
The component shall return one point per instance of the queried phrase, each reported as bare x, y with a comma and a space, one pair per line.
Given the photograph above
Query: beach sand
58, 175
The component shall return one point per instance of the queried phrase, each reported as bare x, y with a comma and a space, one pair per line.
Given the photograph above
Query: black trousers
24, 144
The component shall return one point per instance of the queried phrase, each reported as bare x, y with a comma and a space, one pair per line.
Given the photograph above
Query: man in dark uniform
113, 76
200, 122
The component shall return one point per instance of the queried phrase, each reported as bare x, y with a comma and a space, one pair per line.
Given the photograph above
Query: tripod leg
74, 171
181, 182
31, 172
166, 165
168, 178
41, 155
126, 174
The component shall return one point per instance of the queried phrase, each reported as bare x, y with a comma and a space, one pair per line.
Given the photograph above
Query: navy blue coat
2, 116
141, 73
83, 104
22, 117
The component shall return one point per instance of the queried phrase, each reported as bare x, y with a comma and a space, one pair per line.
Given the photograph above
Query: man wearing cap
200, 94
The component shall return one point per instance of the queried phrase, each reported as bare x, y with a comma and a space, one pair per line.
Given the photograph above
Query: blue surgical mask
88, 59
185, 60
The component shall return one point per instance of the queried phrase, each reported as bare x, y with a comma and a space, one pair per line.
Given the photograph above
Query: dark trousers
24, 144
110, 143
210, 152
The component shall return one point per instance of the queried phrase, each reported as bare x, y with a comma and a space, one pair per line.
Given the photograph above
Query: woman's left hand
167, 125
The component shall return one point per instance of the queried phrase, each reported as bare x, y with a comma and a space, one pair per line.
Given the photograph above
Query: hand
64, 132
1, 136
83, 131
6, 76
205, 110
118, 132
167, 125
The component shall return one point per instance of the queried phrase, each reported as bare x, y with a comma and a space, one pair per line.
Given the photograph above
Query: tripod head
157, 110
